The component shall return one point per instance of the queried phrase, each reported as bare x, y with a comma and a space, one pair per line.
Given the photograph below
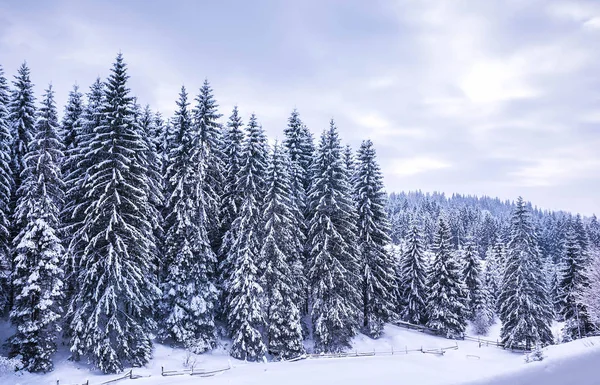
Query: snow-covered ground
574, 362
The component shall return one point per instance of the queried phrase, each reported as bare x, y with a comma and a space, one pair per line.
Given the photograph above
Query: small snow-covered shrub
481, 323
536, 355
10, 365
189, 360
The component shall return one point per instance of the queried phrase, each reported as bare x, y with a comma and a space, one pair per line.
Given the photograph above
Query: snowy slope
468, 364
571, 363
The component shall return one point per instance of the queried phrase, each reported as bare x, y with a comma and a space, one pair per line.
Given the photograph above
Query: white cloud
578, 11
562, 167
416, 165
495, 80
593, 23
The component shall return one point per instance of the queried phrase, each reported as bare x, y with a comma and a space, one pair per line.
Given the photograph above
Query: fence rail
481, 341
192, 372
127, 375
391, 352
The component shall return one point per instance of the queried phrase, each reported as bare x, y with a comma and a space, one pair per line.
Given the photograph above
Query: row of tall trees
118, 224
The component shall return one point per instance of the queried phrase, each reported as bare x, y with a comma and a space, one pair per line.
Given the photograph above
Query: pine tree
298, 142
590, 295
77, 162
349, 161
483, 313
72, 121
524, 308
162, 133
377, 264
494, 269
112, 309
209, 131
189, 296
593, 230
153, 168
447, 290
333, 267
71, 134
22, 119
37, 275
472, 276
573, 281
554, 295
581, 235
233, 139
242, 243
412, 273
280, 251
6, 188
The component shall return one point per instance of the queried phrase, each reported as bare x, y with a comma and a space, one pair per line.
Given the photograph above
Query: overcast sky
500, 98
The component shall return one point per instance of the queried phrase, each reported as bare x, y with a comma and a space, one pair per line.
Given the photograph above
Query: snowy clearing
469, 364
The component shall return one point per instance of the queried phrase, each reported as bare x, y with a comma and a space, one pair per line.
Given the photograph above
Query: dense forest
120, 227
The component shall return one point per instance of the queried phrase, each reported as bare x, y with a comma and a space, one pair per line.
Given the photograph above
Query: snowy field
574, 362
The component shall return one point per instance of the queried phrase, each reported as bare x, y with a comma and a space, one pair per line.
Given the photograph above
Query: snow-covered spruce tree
205, 117
233, 139
189, 295
377, 264
77, 162
483, 312
161, 136
471, 274
333, 266
447, 291
412, 273
494, 269
593, 230
112, 308
573, 279
6, 188
22, 120
554, 292
244, 292
71, 135
349, 161
153, 167
491, 285
580, 234
524, 308
280, 250
589, 296
72, 121
37, 275
298, 142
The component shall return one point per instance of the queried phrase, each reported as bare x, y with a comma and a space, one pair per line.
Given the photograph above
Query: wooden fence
391, 352
192, 372
128, 375
481, 341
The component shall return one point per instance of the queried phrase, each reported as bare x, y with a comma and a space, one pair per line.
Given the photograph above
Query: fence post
131, 374
392, 350
162, 370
